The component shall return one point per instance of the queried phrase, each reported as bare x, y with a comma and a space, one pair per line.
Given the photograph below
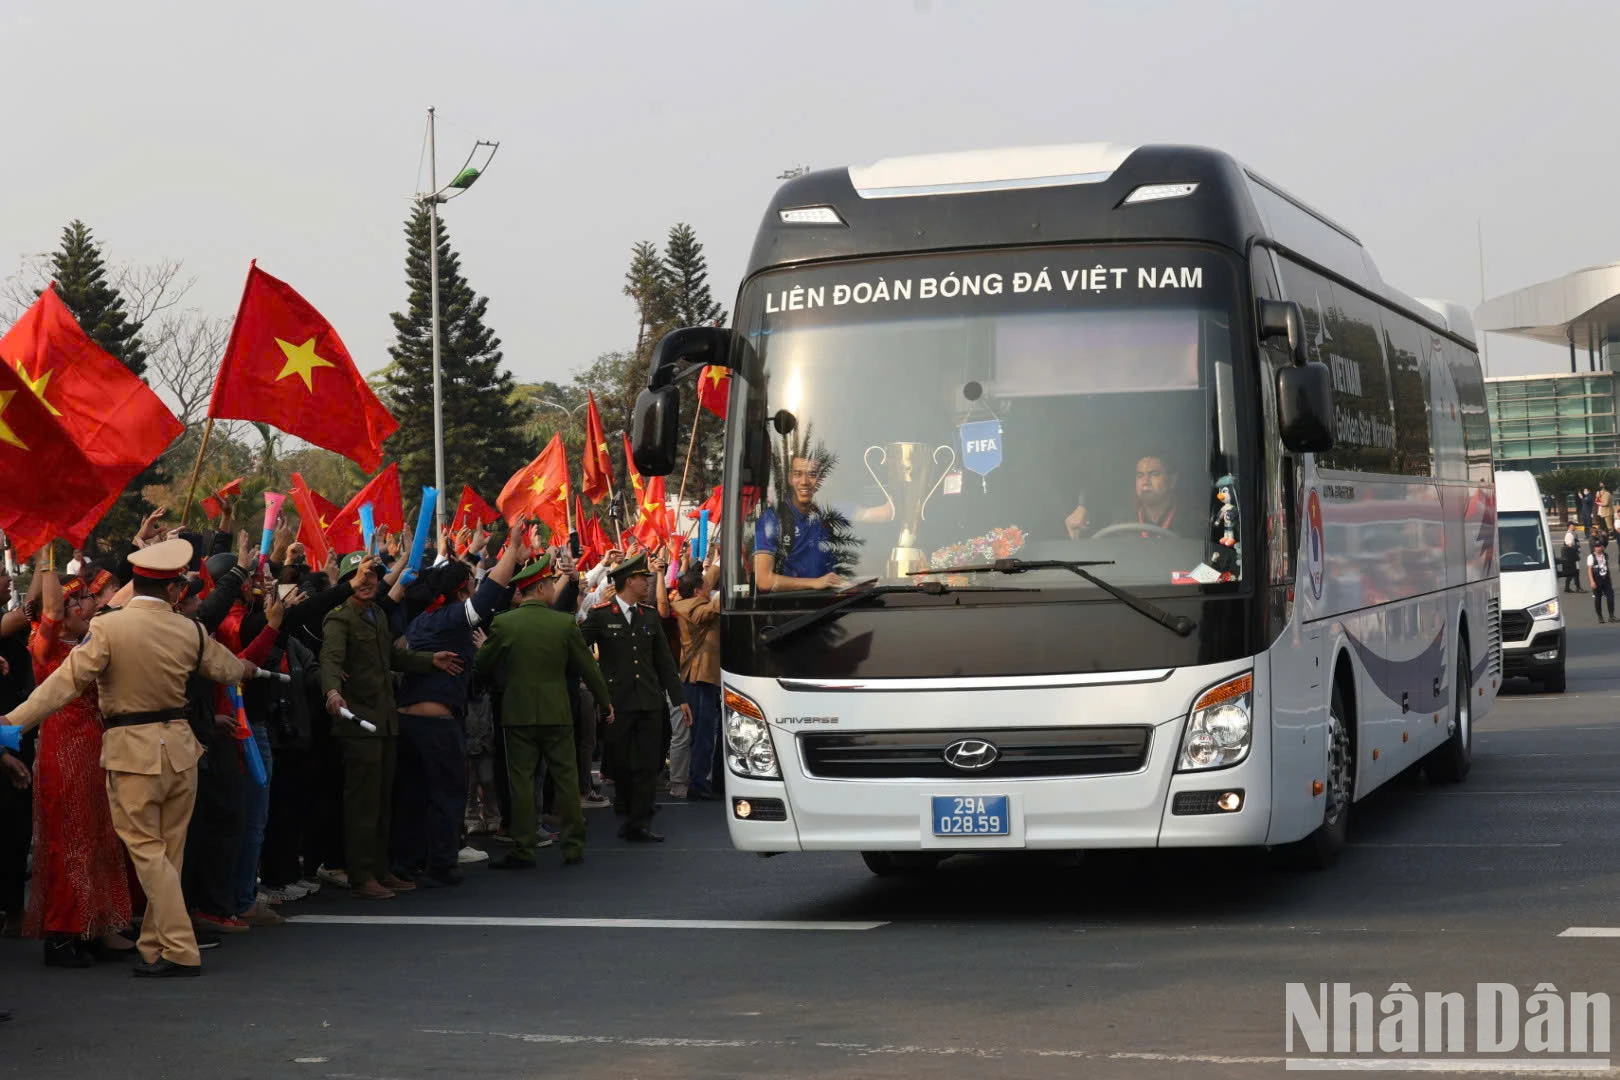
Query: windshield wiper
1178, 624
866, 590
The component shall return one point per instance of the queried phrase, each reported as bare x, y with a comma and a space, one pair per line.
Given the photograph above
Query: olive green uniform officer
359, 655
139, 659
643, 681
533, 646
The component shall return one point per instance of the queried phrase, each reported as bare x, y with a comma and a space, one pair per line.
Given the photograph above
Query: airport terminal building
1565, 419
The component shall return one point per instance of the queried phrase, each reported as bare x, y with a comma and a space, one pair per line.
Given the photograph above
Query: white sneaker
594, 802
294, 891
545, 840
310, 887
340, 878
469, 855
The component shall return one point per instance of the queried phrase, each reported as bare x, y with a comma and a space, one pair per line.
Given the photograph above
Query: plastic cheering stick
272, 511
347, 715
11, 738
279, 676
424, 527
244, 736
368, 526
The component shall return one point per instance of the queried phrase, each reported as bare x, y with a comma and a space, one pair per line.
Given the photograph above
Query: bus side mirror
1304, 408
654, 430
1283, 319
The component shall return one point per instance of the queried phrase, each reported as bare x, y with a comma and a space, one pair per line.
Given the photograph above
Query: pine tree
647, 283
484, 437
81, 282
687, 272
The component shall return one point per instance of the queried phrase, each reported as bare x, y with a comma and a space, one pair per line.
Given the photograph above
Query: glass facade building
1540, 423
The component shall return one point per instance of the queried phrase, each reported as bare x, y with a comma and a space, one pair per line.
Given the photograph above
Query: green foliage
485, 437
81, 281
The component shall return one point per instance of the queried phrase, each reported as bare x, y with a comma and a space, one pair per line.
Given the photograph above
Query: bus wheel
900, 863
1321, 849
1448, 763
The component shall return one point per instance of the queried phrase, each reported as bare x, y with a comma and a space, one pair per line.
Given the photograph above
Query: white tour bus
1085, 496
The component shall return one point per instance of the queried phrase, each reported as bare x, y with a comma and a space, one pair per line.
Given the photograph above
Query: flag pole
191, 488
680, 498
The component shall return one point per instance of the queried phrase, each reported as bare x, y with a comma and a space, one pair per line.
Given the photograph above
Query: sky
292, 132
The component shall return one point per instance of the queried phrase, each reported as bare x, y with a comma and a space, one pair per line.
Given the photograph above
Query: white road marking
858, 1049
1449, 1065
611, 924
1592, 931
1444, 844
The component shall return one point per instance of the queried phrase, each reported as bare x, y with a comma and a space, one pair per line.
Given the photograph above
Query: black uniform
640, 670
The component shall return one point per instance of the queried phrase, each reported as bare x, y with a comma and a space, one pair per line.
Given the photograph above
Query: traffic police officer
139, 658
534, 645
643, 682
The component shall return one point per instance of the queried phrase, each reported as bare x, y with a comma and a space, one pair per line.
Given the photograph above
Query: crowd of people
349, 726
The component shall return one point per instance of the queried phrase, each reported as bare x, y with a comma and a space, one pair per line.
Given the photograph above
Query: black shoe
67, 953
206, 939
435, 879
642, 835
574, 860
107, 955
509, 863
5, 1014
165, 969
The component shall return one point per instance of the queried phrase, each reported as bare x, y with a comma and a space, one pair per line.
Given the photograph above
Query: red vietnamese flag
472, 511
116, 420
636, 482
286, 366
597, 468
588, 551
654, 525
387, 512
35, 443
539, 489
592, 533
214, 505
714, 389
315, 515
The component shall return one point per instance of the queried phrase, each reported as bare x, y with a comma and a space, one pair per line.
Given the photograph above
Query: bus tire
1449, 762
900, 863
1321, 849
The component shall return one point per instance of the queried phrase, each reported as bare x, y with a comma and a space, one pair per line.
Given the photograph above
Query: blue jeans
255, 811
705, 701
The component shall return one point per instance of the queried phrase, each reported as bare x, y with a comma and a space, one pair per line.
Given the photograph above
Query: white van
1532, 617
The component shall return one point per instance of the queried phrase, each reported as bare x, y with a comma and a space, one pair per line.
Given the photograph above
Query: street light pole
433, 292
457, 186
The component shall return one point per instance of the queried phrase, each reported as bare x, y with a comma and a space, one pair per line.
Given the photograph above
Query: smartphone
575, 548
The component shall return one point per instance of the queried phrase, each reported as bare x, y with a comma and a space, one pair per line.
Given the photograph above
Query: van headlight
1548, 610
749, 750
1220, 727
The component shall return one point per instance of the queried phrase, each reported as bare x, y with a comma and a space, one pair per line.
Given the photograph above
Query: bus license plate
970, 815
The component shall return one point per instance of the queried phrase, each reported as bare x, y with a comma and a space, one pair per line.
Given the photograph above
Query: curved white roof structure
1582, 308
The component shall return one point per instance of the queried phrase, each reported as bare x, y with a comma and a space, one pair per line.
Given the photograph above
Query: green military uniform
642, 677
535, 644
358, 659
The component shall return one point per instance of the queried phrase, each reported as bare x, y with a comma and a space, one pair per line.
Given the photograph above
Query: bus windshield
1073, 404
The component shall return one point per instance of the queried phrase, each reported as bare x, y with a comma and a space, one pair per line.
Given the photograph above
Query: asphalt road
1042, 967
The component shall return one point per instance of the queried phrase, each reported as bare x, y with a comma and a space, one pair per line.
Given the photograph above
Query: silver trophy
909, 468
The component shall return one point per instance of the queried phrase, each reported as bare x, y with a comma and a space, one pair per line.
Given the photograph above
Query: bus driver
1155, 500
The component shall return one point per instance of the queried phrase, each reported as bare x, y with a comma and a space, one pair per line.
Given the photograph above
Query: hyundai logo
971, 755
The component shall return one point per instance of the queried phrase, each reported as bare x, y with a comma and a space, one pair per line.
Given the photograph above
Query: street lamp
457, 187
572, 413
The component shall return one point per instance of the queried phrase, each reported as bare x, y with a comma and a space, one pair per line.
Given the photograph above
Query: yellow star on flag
323, 523
649, 506
538, 486
716, 375
562, 492
301, 361
6, 434
38, 387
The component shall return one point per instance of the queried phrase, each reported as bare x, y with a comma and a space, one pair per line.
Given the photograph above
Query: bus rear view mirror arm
655, 427
1283, 319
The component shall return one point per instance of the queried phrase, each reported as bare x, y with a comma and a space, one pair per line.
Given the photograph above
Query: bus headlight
749, 750
1548, 610
1220, 727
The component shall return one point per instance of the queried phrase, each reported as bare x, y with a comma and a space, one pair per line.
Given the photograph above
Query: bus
1084, 497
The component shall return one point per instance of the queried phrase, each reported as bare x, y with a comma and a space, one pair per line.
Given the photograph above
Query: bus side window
1445, 409
1281, 471
1409, 389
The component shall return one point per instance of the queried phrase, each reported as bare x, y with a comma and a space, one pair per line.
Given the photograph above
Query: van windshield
1524, 542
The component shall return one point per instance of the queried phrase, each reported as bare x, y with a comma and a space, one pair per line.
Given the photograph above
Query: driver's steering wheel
1153, 531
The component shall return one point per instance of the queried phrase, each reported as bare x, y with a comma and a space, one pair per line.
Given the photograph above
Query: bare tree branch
151, 288
183, 350
19, 291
